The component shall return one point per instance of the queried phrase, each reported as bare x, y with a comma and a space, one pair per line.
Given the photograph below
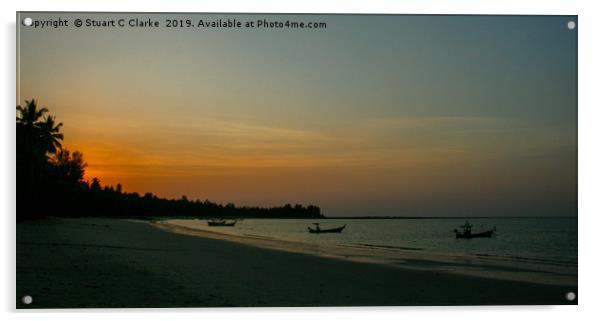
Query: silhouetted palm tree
30, 114
37, 139
50, 135
40, 136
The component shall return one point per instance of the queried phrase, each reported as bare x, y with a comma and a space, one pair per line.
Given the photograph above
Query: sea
551, 240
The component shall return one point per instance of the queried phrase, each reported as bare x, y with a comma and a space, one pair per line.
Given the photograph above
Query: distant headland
50, 182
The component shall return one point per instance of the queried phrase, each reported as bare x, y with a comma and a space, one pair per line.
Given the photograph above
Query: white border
590, 155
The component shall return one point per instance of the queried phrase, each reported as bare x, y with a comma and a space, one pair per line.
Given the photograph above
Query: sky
373, 115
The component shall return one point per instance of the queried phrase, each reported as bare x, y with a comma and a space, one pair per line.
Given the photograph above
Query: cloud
201, 147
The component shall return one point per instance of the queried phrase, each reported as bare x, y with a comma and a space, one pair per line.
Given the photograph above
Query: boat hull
332, 230
474, 235
220, 224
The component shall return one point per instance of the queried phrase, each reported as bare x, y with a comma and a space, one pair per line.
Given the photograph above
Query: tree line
50, 182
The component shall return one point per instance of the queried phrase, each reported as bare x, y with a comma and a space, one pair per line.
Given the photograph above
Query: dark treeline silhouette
50, 182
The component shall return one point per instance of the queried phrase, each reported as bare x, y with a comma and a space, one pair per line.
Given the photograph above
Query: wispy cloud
202, 147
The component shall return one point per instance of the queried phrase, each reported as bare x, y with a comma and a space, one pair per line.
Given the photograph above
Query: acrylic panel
293, 160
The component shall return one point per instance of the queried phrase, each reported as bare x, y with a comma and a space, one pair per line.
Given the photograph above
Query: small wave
530, 259
260, 236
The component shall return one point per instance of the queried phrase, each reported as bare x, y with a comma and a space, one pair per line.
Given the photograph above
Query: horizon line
446, 217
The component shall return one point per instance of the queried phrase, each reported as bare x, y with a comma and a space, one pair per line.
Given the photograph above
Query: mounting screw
571, 25
27, 299
571, 296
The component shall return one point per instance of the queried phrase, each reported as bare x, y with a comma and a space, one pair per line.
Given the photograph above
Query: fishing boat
467, 233
331, 230
220, 222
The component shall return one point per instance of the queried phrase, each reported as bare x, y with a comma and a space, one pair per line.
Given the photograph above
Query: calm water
546, 239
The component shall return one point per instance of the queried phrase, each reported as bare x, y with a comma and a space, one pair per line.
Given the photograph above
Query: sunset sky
375, 115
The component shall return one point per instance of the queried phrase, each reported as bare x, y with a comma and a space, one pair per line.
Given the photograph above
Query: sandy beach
111, 263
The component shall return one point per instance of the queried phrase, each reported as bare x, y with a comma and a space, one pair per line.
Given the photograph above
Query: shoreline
486, 266
116, 263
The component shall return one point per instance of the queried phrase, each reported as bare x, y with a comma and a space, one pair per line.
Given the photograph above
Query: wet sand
93, 263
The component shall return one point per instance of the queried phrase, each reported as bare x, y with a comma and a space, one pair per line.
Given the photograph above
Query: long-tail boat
331, 230
220, 222
467, 233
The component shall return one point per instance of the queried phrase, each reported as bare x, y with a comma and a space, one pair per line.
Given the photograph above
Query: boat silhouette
319, 230
467, 233
220, 222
